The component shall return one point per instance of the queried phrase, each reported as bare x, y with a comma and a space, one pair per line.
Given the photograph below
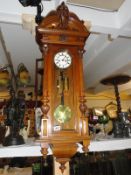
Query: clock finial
63, 14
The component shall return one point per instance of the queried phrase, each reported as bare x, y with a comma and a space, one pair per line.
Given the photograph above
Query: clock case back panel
71, 97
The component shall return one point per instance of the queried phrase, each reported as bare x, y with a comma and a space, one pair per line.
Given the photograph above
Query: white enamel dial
62, 60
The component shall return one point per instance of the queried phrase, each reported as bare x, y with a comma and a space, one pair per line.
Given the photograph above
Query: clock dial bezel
62, 59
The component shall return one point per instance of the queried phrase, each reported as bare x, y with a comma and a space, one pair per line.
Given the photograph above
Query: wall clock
61, 37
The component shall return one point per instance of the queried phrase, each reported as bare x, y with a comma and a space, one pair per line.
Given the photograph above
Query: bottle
36, 168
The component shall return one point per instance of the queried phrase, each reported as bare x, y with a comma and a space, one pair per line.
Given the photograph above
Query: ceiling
108, 48
111, 5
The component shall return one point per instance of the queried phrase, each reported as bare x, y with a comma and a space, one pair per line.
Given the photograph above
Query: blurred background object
23, 77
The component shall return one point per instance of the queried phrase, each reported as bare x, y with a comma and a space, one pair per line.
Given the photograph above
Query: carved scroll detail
44, 152
84, 118
83, 107
81, 52
62, 162
45, 49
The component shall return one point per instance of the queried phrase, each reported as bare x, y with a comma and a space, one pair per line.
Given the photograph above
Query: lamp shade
23, 75
4, 77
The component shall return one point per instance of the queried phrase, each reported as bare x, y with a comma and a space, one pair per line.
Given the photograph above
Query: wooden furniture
115, 81
61, 37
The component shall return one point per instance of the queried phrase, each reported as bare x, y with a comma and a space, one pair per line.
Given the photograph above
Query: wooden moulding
63, 149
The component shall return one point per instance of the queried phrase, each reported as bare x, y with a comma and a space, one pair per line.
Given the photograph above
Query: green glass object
36, 169
103, 119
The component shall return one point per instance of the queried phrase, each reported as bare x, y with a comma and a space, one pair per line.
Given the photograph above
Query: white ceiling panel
100, 4
21, 45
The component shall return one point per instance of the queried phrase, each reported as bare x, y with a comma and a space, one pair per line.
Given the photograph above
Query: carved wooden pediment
62, 19
62, 27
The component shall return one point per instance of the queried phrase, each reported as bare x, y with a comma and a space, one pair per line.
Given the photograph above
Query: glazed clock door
65, 86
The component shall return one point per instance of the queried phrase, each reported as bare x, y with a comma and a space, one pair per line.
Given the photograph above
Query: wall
125, 104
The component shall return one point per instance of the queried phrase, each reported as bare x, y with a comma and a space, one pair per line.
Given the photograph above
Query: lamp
35, 3
4, 77
23, 77
14, 111
15, 107
30, 2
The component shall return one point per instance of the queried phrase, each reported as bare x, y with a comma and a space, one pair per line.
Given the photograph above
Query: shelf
110, 145
31, 149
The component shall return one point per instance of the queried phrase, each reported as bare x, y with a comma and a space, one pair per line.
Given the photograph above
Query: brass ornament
111, 109
62, 114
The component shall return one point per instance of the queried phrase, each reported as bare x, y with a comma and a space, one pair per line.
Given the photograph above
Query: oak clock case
61, 37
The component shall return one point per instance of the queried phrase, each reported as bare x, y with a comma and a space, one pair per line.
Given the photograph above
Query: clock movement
61, 37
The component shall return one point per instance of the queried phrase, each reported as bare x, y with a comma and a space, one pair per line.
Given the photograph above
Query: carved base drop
62, 162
